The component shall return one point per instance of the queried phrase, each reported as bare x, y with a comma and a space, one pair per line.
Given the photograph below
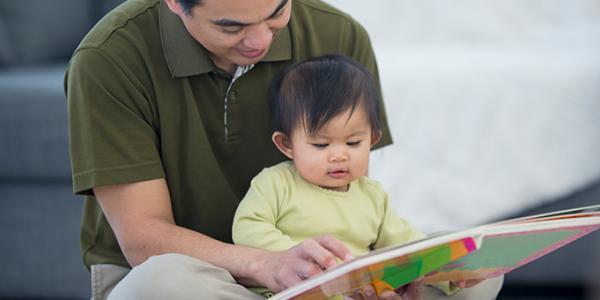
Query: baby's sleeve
255, 221
393, 229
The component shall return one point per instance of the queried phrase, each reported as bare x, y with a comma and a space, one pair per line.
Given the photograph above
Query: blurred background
494, 108
495, 112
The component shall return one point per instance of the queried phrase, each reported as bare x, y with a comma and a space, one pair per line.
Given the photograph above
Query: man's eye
355, 143
232, 29
320, 145
278, 14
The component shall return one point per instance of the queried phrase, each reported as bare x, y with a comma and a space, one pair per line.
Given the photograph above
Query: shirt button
232, 95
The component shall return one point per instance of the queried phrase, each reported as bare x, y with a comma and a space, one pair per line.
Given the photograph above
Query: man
169, 122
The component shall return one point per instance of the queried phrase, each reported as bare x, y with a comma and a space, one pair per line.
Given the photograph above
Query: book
480, 252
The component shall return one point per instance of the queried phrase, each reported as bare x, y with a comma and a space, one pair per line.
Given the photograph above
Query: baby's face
337, 154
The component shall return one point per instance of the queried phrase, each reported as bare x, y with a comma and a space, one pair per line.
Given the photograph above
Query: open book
476, 253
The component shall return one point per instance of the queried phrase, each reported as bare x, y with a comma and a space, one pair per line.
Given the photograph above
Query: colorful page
386, 274
481, 252
503, 252
581, 212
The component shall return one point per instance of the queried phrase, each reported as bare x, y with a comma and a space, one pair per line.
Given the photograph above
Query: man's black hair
187, 5
313, 92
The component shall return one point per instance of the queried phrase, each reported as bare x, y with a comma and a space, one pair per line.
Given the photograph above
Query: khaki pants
176, 276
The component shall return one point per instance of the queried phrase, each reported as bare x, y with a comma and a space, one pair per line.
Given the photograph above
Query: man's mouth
252, 53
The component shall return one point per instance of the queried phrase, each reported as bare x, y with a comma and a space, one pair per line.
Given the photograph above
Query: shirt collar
186, 57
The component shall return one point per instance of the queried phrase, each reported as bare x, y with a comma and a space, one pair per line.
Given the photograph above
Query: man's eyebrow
279, 7
233, 23
229, 23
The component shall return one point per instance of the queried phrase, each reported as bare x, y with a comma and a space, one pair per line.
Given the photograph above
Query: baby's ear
376, 136
283, 143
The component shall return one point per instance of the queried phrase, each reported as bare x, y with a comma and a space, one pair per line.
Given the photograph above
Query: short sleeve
363, 53
393, 229
112, 125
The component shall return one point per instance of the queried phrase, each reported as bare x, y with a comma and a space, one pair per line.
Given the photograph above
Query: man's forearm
160, 237
140, 214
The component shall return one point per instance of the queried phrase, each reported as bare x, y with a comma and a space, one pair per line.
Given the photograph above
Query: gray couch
39, 215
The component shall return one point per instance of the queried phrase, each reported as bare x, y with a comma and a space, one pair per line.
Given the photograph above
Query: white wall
494, 105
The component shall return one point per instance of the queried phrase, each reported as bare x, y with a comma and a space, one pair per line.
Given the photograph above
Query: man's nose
259, 37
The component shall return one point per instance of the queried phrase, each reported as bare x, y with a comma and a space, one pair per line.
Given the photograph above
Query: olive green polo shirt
145, 102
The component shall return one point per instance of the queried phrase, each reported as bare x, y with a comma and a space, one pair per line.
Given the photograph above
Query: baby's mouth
338, 173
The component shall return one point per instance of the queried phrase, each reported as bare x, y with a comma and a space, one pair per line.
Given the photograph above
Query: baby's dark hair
313, 92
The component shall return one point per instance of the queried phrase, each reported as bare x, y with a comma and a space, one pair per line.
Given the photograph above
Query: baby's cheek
364, 168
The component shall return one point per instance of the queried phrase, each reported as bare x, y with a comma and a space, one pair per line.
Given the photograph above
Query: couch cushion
42, 30
104, 6
5, 45
39, 230
33, 118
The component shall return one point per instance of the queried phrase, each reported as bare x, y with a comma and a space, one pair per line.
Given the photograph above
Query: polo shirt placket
231, 95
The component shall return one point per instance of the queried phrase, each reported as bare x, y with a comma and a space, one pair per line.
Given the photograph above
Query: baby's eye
320, 145
354, 143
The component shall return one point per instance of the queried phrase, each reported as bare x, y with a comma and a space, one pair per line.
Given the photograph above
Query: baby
326, 119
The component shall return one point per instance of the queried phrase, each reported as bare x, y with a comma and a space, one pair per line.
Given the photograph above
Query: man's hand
311, 257
464, 284
411, 291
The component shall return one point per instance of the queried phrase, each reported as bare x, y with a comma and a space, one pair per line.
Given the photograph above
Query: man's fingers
335, 246
303, 261
390, 295
412, 290
366, 293
312, 250
468, 283
295, 271
309, 269
370, 292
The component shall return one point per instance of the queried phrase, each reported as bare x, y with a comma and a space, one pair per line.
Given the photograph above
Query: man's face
235, 32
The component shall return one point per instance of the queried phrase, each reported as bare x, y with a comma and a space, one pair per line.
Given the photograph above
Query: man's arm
141, 216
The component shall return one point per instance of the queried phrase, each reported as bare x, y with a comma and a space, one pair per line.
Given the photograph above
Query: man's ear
283, 143
376, 137
174, 6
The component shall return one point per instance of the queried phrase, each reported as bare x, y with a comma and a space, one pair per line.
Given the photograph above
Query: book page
502, 253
